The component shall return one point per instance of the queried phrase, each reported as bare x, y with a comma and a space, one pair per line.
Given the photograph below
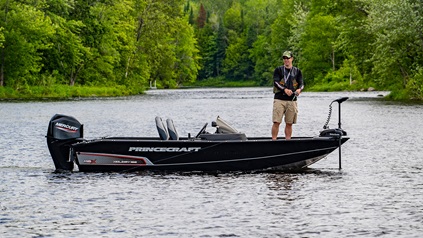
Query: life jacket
291, 82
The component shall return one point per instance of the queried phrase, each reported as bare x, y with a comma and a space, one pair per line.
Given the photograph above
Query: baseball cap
287, 54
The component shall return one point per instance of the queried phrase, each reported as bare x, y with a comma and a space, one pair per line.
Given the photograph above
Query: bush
415, 86
64, 92
222, 82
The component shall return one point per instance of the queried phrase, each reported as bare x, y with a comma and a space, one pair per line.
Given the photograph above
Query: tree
26, 31
207, 43
233, 18
318, 52
66, 58
398, 41
159, 25
202, 17
354, 40
186, 65
236, 64
260, 55
281, 31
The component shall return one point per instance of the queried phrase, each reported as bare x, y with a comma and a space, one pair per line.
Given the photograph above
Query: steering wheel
202, 130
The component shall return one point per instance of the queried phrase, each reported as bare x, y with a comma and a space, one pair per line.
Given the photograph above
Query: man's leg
288, 131
275, 130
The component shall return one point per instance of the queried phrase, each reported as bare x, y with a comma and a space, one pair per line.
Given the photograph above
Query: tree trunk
405, 76
74, 75
2, 68
6, 10
333, 59
139, 30
71, 79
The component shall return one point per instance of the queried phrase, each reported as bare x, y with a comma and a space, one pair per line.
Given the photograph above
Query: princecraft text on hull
224, 150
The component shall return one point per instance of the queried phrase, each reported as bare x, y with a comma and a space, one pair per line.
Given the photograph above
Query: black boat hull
134, 154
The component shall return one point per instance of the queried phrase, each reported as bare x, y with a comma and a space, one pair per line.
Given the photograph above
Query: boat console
224, 131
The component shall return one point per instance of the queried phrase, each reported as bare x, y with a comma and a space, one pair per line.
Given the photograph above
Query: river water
378, 192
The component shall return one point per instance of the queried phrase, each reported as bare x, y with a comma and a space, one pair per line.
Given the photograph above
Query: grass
65, 92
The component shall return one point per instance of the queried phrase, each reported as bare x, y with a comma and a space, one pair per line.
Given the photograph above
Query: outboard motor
62, 132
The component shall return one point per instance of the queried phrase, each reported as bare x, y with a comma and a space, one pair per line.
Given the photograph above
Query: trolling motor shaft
337, 132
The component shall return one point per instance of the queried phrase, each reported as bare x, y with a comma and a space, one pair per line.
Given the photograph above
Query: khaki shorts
287, 108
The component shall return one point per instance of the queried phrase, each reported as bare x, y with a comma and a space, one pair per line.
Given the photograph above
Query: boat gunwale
196, 140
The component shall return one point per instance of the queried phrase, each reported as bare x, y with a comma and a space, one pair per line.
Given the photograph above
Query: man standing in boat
287, 86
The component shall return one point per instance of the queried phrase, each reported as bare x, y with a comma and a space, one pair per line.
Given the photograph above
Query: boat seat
161, 128
173, 134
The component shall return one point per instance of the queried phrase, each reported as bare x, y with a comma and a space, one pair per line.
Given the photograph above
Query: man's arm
300, 82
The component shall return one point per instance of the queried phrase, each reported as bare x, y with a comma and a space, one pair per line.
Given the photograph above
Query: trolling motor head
62, 132
340, 100
338, 132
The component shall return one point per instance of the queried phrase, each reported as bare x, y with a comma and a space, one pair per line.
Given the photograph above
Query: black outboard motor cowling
62, 132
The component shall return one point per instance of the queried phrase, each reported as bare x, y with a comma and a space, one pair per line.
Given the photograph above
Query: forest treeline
126, 44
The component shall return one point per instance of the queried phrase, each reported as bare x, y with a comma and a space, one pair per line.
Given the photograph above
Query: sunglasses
286, 58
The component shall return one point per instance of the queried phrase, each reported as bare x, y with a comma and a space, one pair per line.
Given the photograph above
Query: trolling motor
336, 133
62, 132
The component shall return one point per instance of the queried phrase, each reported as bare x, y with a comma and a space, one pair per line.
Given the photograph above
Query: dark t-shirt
287, 78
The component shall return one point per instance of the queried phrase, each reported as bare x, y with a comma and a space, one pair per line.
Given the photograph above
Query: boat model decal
164, 149
87, 158
65, 127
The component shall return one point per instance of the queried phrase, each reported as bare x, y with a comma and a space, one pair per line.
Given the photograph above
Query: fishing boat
226, 149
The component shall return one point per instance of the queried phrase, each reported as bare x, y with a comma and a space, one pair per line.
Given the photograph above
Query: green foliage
348, 76
2, 38
223, 82
209, 59
415, 86
236, 63
318, 53
233, 19
186, 64
100, 43
65, 92
280, 33
26, 31
125, 44
398, 43
354, 39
